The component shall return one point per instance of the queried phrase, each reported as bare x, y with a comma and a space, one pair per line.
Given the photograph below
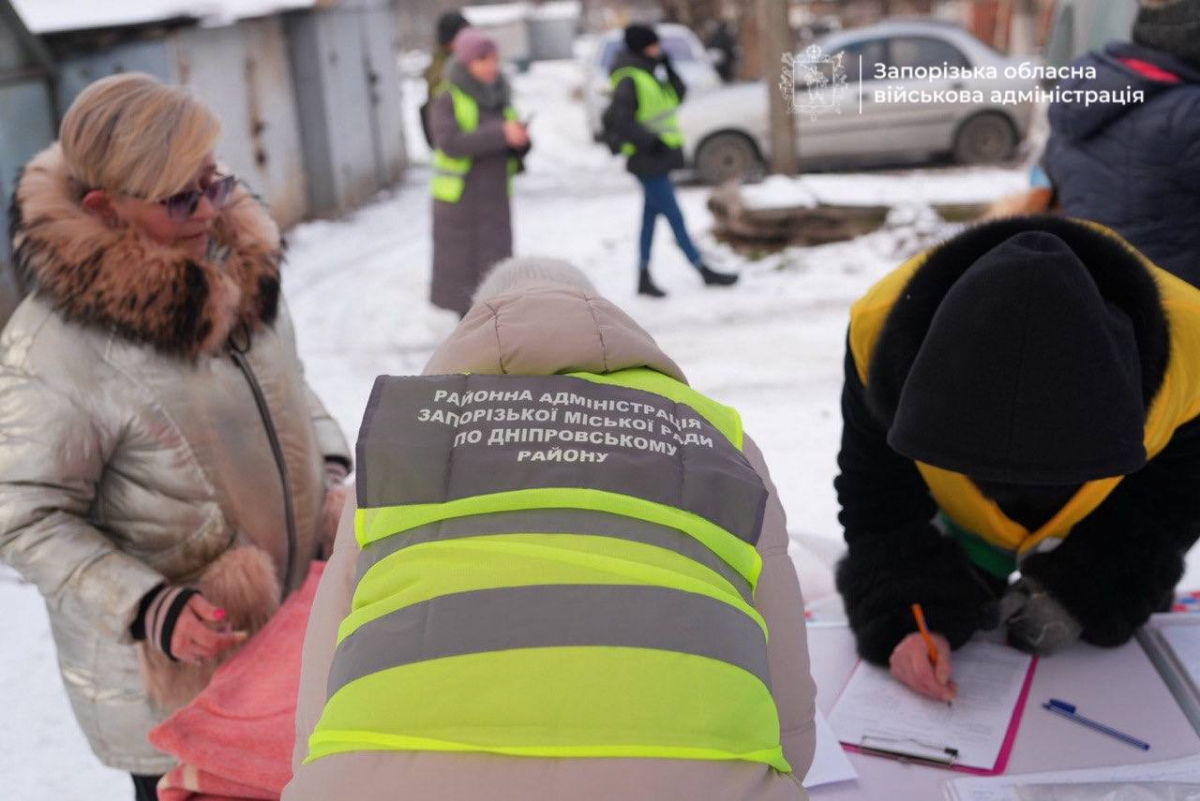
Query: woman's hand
515, 134
910, 664
201, 633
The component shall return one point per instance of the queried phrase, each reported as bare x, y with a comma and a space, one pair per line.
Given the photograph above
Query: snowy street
772, 346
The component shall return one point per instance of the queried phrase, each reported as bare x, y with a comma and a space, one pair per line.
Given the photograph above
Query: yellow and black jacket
916, 533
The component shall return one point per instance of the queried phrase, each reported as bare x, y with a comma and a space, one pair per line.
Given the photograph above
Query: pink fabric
1151, 71
234, 741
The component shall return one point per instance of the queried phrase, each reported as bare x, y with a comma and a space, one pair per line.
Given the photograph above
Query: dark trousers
145, 788
659, 196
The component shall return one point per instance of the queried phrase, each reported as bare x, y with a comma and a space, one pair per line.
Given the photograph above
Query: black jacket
1134, 167
653, 157
1118, 565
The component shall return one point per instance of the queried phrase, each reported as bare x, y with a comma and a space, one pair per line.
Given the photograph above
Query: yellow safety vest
450, 173
554, 566
657, 102
967, 509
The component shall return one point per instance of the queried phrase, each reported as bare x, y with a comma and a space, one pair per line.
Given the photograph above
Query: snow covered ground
772, 346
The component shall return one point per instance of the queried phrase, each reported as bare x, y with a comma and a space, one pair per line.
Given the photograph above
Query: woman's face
485, 69
152, 218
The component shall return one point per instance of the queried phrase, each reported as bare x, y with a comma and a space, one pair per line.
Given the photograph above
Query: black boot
647, 287
714, 278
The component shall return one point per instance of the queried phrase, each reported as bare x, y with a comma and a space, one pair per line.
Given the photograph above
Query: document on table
1005, 788
877, 713
830, 763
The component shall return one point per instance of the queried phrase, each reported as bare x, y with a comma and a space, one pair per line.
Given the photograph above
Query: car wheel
727, 156
985, 139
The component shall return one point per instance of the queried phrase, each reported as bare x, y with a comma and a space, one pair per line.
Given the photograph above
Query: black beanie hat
1026, 375
448, 26
639, 37
1172, 26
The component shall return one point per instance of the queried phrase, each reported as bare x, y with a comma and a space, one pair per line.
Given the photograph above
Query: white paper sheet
1002, 788
830, 763
877, 710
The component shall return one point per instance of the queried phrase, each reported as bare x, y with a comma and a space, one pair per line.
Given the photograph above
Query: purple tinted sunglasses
182, 205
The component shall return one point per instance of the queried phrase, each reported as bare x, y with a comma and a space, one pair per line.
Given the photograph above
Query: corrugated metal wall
242, 72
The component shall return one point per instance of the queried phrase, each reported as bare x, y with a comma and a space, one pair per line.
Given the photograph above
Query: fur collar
1117, 268
119, 280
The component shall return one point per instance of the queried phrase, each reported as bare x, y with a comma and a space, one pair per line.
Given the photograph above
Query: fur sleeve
896, 557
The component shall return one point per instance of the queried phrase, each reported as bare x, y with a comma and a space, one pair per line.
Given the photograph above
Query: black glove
1037, 622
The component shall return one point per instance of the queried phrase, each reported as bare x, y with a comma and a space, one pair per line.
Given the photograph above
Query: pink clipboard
1006, 748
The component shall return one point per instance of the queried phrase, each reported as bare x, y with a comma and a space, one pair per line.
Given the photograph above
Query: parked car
693, 63
726, 131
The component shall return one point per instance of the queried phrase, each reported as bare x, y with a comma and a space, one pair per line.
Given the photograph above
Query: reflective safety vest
553, 566
656, 101
994, 541
450, 173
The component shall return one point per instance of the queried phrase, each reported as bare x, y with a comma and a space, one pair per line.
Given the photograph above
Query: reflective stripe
556, 521
433, 569
375, 524
510, 618
558, 702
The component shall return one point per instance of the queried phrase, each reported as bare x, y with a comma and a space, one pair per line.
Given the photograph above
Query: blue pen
1068, 711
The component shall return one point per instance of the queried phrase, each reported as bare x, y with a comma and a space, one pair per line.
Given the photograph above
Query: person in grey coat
166, 473
479, 143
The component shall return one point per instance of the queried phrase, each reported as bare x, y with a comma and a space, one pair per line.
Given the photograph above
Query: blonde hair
132, 133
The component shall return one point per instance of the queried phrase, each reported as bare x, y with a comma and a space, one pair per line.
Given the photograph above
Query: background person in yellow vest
479, 142
1023, 397
641, 121
541, 318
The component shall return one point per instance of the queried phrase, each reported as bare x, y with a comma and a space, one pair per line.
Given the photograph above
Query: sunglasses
182, 205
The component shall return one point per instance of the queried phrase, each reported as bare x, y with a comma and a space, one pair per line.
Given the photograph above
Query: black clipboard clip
935, 755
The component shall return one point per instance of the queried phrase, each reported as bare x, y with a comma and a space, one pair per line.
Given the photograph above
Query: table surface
1117, 686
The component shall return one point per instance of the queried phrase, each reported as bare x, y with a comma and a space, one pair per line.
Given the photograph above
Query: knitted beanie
529, 270
1172, 26
448, 26
472, 44
639, 37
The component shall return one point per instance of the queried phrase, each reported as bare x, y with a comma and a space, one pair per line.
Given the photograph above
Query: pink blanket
234, 741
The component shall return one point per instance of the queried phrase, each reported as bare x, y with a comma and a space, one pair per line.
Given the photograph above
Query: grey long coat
134, 451
544, 330
472, 235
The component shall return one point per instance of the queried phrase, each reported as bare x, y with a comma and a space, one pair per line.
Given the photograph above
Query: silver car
688, 56
726, 131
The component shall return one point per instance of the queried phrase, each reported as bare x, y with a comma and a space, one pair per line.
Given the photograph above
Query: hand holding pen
921, 661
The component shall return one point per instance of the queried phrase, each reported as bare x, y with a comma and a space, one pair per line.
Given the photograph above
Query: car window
924, 51
868, 53
679, 48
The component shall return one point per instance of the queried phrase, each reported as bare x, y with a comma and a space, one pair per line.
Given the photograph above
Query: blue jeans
660, 199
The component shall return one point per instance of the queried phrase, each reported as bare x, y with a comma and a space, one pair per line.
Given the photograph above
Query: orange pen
919, 614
